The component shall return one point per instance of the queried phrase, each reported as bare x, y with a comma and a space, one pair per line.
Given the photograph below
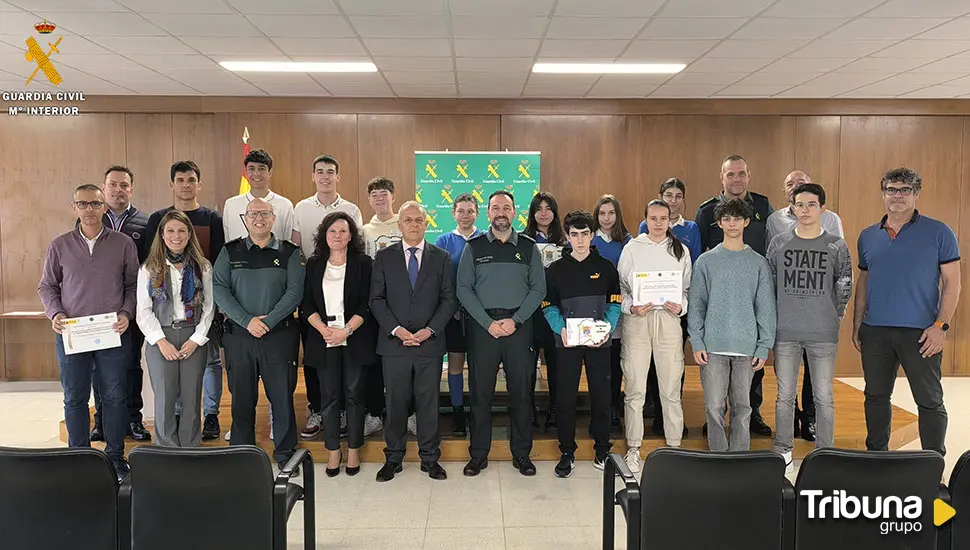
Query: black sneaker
122, 469
210, 428
565, 466
600, 461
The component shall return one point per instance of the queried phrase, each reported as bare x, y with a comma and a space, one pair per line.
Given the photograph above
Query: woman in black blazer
343, 335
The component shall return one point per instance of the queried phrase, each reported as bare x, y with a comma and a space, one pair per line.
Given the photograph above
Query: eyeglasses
806, 205
88, 205
897, 191
265, 214
667, 197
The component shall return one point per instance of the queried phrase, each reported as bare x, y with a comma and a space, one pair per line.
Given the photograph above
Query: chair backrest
219, 497
58, 498
712, 500
874, 475
960, 500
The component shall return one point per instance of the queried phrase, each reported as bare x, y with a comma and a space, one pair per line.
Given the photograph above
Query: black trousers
341, 383
516, 355
374, 400
598, 379
134, 380
616, 375
272, 358
547, 341
412, 379
883, 350
311, 380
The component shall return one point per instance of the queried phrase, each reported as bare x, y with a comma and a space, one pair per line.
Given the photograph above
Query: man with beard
501, 283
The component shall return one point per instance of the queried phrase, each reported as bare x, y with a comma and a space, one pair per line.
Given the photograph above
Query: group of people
376, 307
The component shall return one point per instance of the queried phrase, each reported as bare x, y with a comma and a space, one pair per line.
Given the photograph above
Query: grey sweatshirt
813, 281
732, 303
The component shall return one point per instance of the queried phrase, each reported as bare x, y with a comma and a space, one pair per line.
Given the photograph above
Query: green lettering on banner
440, 176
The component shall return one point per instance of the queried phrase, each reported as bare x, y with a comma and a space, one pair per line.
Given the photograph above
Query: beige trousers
657, 333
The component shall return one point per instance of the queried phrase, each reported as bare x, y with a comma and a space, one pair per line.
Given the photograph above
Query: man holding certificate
88, 291
582, 307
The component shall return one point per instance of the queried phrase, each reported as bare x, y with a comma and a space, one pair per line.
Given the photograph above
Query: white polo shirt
308, 213
235, 208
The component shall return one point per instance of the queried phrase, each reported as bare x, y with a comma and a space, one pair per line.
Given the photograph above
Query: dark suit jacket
431, 304
356, 290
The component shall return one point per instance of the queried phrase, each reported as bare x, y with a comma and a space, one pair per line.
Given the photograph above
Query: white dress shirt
308, 213
91, 242
145, 316
334, 278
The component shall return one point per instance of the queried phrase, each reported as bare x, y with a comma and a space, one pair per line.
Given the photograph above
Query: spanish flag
244, 182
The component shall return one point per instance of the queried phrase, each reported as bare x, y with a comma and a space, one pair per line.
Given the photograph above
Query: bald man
258, 284
785, 220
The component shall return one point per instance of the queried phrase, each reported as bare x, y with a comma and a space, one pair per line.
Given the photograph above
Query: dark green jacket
249, 281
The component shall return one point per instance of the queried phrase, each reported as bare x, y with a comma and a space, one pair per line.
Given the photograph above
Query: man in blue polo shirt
900, 315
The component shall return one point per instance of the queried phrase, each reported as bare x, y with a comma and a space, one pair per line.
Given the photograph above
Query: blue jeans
211, 382
76, 375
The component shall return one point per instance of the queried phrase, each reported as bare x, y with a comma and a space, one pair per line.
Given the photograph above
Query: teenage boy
731, 322
582, 285
812, 270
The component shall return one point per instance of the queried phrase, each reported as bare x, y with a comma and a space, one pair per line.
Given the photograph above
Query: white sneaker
632, 460
372, 425
413, 425
789, 464
228, 433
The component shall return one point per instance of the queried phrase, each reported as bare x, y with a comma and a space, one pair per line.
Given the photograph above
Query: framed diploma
549, 252
657, 287
91, 333
586, 332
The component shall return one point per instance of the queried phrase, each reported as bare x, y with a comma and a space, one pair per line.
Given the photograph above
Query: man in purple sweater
92, 270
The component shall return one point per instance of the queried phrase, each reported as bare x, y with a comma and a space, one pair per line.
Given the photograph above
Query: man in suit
412, 297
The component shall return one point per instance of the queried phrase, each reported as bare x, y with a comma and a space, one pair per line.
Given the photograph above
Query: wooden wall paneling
817, 142
933, 146
386, 146
148, 143
693, 148
583, 157
294, 141
29, 350
194, 138
42, 160
960, 333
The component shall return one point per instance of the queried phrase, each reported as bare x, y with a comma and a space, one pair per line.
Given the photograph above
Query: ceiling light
609, 68
299, 66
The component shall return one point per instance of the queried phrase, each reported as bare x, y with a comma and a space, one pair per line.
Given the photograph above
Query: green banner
440, 176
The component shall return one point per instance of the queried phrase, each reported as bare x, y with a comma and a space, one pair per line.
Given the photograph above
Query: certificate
586, 332
92, 333
658, 287
549, 252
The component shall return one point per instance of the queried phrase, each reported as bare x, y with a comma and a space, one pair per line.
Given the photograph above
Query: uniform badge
518, 255
276, 262
136, 235
757, 216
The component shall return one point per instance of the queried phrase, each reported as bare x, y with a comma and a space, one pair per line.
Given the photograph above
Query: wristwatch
943, 326
350, 331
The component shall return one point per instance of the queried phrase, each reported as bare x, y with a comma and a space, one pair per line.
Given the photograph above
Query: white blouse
333, 293
145, 316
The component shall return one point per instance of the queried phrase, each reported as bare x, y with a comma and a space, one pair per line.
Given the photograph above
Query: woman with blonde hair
175, 310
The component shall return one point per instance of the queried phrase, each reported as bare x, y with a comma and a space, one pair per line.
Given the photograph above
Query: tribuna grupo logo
895, 514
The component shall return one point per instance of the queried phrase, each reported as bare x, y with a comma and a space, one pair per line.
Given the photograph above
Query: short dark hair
902, 175
326, 159
89, 187
120, 168
259, 156
464, 197
734, 157
812, 188
578, 219
673, 182
321, 249
734, 208
185, 166
380, 183
501, 192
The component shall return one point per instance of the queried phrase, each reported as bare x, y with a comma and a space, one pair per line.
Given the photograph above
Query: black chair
220, 497
702, 500
959, 487
869, 474
51, 499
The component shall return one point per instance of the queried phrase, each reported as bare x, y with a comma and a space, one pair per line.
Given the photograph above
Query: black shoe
333, 472
599, 462
137, 431
387, 471
434, 470
759, 427
210, 428
808, 431
552, 418
565, 466
524, 466
475, 466
459, 416
122, 469
96, 433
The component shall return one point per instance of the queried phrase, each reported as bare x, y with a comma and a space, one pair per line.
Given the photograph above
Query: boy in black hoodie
582, 285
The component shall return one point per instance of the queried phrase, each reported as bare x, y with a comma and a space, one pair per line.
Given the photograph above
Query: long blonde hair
155, 263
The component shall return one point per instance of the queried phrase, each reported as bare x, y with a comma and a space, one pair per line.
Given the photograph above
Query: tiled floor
498, 509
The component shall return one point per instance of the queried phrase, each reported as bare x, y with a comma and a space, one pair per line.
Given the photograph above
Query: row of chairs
225, 497
725, 501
